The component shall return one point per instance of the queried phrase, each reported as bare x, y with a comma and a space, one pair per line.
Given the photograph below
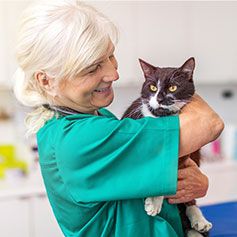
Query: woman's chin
102, 99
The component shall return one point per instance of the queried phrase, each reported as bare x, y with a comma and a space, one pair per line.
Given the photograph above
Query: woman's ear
45, 82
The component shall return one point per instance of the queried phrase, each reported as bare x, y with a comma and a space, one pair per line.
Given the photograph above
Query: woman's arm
104, 159
199, 125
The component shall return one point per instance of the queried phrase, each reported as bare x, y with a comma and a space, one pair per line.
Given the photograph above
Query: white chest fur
146, 112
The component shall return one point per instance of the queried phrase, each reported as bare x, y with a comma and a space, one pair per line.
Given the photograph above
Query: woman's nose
111, 74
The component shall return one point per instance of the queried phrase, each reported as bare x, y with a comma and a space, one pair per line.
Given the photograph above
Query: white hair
61, 38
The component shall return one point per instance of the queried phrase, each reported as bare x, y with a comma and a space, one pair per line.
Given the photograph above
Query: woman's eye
95, 69
153, 88
113, 60
172, 88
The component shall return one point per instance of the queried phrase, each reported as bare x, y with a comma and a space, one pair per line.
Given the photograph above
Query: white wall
167, 33
163, 33
9, 15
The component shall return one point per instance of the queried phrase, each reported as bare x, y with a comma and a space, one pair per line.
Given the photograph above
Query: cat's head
167, 90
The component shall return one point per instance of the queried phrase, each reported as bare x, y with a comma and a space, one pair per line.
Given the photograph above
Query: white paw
194, 233
153, 205
197, 220
201, 225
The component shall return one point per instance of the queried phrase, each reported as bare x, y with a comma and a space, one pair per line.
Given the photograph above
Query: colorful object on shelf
223, 217
8, 160
216, 147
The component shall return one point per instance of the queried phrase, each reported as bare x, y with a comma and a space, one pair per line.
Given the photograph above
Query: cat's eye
153, 88
172, 88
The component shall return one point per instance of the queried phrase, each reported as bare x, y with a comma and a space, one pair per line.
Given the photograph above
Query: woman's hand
192, 183
199, 125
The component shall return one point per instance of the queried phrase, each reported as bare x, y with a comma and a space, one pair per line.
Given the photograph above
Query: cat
164, 92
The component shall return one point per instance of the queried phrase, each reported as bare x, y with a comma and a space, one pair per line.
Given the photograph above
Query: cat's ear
147, 68
188, 67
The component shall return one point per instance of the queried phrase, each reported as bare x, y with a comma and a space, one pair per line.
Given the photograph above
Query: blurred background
162, 33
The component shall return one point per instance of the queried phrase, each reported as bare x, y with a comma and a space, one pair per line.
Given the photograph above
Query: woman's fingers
182, 185
187, 165
192, 183
183, 194
188, 162
182, 199
178, 194
182, 174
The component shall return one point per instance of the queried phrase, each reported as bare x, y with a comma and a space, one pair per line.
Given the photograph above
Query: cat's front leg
197, 220
153, 205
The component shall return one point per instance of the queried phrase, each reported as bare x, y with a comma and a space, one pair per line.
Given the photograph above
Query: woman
97, 169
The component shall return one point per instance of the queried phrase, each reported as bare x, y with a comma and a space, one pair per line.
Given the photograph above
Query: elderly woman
97, 169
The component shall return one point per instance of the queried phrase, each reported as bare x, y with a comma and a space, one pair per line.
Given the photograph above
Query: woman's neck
75, 107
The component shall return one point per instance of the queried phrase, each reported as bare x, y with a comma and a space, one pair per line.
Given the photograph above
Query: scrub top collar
62, 110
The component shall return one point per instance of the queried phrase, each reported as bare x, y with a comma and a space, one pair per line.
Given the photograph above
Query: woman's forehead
108, 52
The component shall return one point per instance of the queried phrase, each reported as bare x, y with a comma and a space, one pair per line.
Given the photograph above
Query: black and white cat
164, 92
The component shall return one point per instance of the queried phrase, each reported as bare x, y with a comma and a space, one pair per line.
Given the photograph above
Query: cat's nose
160, 99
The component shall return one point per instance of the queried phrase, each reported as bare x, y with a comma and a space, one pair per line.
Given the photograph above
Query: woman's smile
103, 90
102, 96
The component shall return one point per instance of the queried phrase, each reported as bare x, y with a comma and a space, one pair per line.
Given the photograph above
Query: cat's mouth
172, 105
161, 111
164, 106
164, 109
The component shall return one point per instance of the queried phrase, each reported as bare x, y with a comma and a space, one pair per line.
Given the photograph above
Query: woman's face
93, 88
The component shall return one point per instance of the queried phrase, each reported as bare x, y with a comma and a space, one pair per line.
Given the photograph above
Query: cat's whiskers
134, 113
178, 104
173, 107
183, 100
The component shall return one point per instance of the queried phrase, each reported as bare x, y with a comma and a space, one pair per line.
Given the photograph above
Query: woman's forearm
199, 125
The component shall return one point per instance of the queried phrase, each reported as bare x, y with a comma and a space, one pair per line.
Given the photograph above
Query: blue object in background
223, 217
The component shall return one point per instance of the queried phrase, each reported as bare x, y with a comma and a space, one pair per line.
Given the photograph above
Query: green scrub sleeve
103, 159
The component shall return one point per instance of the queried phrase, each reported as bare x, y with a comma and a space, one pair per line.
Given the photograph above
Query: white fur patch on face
146, 112
153, 101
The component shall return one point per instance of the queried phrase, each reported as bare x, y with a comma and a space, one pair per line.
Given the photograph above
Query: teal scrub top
98, 170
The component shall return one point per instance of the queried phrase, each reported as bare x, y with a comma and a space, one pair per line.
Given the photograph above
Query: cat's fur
164, 92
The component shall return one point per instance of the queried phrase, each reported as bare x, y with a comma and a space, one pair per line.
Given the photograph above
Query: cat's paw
201, 225
194, 233
151, 209
197, 220
153, 205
